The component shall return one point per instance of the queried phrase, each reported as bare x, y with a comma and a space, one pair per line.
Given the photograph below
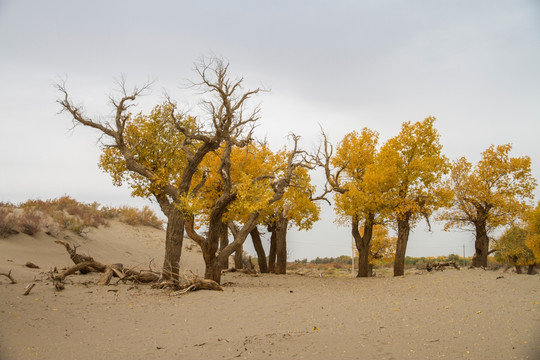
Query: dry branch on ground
441, 265
85, 264
8, 275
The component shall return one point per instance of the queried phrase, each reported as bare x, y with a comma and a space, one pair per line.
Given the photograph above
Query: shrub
30, 222
8, 223
134, 216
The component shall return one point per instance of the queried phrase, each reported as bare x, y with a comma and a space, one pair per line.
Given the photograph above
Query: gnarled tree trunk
238, 263
257, 244
223, 242
404, 229
174, 238
363, 244
273, 247
281, 242
481, 245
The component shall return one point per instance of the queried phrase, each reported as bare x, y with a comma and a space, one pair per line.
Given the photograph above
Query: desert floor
454, 314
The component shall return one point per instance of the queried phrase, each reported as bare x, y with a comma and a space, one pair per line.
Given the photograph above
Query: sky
339, 65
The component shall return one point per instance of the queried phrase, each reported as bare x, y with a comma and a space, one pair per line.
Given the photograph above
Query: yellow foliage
253, 169
511, 247
533, 240
409, 171
154, 143
355, 154
382, 246
495, 191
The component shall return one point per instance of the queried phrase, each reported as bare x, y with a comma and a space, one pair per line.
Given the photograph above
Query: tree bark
363, 244
174, 238
223, 242
273, 246
213, 270
238, 263
281, 243
481, 245
530, 269
518, 269
404, 229
257, 244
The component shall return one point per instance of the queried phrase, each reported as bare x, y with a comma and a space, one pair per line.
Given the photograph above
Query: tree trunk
213, 270
530, 269
238, 263
281, 244
174, 238
223, 242
518, 269
273, 246
481, 245
401, 247
257, 244
363, 243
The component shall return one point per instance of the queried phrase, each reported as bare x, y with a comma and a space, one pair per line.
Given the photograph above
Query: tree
410, 167
238, 191
511, 248
533, 240
381, 248
298, 208
159, 155
491, 194
356, 199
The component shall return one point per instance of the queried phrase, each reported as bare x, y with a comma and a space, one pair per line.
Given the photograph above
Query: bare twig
8, 275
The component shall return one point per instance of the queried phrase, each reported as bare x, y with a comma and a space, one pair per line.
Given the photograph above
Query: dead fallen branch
31, 265
76, 258
28, 288
196, 284
8, 275
85, 264
441, 265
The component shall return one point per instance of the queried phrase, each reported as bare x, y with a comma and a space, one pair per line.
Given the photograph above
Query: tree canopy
495, 192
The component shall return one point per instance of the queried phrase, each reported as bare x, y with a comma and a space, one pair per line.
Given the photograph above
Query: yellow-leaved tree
533, 239
511, 248
351, 175
382, 248
494, 193
240, 185
298, 208
410, 168
159, 155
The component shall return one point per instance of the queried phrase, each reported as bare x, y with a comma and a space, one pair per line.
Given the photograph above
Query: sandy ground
455, 314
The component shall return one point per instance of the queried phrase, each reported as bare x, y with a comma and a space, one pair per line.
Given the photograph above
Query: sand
454, 314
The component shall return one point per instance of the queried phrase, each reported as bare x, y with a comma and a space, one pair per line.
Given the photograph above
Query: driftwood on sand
85, 264
441, 265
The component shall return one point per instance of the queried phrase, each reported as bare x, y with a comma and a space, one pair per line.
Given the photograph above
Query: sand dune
455, 314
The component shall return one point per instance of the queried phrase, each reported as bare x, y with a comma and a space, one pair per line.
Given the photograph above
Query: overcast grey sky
475, 65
